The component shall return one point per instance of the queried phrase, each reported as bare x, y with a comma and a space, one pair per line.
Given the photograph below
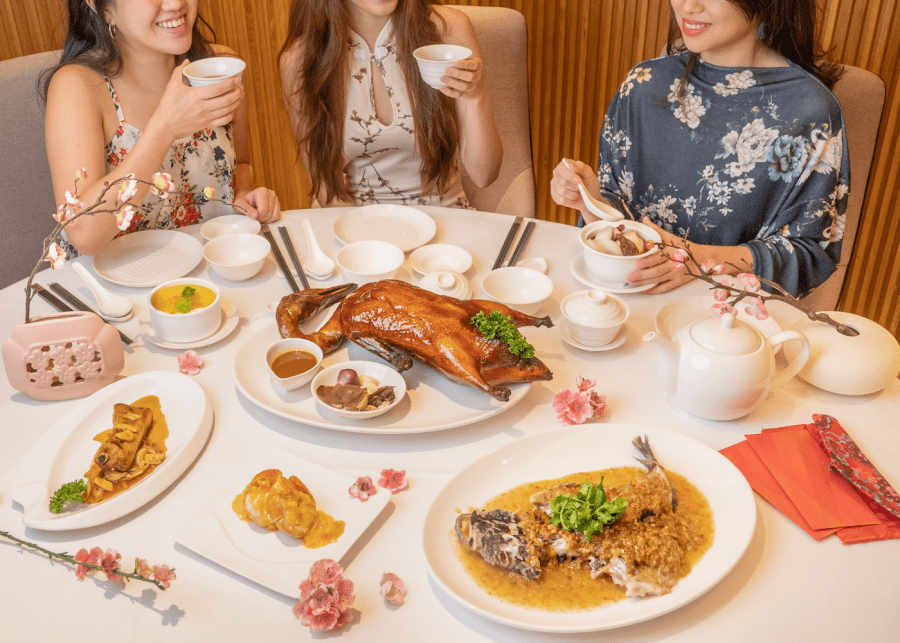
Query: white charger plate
230, 319
579, 270
274, 559
588, 448
405, 227
432, 402
66, 450
147, 258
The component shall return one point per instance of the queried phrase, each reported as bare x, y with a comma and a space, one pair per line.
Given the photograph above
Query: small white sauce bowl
209, 71
229, 224
292, 344
367, 261
433, 60
181, 328
592, 332
237, 257
380, 372
440, 257
522, 289
614, 269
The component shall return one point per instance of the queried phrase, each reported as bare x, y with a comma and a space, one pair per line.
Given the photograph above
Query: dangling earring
760, 32
112, 30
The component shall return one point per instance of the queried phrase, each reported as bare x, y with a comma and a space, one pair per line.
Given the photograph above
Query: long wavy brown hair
788, 27
321, 28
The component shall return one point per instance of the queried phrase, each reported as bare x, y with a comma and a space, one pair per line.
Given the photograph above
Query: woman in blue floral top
735, 144
118, 105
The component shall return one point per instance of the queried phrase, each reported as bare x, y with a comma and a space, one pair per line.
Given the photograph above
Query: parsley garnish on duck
500, 326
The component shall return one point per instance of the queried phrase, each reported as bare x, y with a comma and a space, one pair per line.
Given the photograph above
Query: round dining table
786, 586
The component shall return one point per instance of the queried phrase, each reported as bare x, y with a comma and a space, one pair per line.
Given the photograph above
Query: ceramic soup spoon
599, 208
318, 264
112, 307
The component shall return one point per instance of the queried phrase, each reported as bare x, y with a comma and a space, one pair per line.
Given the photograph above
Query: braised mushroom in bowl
358, 389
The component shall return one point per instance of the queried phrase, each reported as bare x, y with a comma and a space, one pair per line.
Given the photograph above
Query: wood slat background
579, 51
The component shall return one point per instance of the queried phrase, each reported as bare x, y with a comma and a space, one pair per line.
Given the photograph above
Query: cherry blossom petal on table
83, 557
142, 568
110, 563
572, 407
598, 403
394, 481
325, 571
584, 384
189, 363
363, 488
164, 575
393, 589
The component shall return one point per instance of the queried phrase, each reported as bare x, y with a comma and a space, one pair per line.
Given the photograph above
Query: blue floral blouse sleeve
754, 157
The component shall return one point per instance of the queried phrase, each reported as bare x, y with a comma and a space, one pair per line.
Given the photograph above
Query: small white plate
147, 258
617, 341
275, 559
380, 371
567, 450
64, 453
439, 257
579, 270
401, 225
230, 319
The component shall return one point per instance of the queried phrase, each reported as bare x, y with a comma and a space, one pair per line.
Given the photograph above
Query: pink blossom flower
110, 564
584, 384
572, 407
710, 267
83, 557
321, 599
164, 575
142, 568
209, 192
363, 488
723, 308
720, 294
749, 281
678, 257
757, 308
63, 213
344, 596
598, 403
81, 174
73, 201
189, 363
56, 256
127, 188
393, 589
395, 481
124, 215
161, 184
325, 571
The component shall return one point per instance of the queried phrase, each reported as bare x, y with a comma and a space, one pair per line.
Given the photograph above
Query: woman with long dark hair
368, 127
117, 104
734, 142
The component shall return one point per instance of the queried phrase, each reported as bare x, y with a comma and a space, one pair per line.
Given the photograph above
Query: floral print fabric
382, 163
754, 157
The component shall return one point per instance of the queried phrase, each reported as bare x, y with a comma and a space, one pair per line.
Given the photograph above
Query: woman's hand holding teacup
465, 79
261, 204
184, 110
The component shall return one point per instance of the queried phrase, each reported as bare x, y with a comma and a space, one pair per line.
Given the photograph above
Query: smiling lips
689, 28
172, 24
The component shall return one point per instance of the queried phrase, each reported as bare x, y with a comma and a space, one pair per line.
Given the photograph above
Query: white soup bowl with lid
594, 317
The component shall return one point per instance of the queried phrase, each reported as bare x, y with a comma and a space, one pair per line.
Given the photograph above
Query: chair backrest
861, 94
504, 47
26, 191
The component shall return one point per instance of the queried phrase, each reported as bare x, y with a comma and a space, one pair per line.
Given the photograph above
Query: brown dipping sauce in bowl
293, 362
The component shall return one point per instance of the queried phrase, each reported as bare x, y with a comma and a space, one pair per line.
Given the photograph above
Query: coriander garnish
588, 511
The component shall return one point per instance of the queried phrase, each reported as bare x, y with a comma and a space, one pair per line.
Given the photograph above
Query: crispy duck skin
398, 322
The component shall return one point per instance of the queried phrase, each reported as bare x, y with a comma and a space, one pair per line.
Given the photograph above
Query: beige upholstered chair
26, 191
504, 47
861, 94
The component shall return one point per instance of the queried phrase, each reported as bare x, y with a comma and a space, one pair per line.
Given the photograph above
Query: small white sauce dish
367, 261
209, 71
522, 289
594, 317
380, 372
191, 326
614, 269
238, 256
229, 224
440, 257
292, 344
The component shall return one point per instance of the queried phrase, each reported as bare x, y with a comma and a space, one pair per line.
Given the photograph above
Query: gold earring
112, 30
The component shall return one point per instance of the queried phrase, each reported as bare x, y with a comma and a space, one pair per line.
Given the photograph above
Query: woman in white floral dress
117, 104
369, 129
735, 144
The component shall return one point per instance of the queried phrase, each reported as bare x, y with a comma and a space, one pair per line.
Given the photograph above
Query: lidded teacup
594, 317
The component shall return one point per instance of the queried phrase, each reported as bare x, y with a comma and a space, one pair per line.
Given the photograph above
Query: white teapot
720, 368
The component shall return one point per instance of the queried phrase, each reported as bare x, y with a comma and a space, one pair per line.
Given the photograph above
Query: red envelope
824, 498
763, 482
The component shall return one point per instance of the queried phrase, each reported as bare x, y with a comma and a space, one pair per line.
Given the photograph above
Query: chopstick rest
267, 233
526, 233
286, 237
513, 230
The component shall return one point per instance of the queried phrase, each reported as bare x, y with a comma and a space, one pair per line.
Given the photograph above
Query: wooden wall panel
579, 51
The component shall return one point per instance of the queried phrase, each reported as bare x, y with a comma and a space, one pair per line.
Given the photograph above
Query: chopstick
80, 305
280, 258
286, 237
51, 299
507, 242
529, 228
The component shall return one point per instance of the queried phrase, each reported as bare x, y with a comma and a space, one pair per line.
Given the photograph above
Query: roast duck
398, 322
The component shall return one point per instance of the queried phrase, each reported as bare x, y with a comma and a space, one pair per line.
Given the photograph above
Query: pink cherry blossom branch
111, 571
682, 254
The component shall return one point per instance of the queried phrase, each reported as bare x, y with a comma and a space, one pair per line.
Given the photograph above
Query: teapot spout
667, 357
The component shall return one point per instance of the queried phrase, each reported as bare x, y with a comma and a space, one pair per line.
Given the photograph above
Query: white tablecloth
786, 588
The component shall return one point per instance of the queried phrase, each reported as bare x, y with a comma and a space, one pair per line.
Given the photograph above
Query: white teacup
210, 71
433, 60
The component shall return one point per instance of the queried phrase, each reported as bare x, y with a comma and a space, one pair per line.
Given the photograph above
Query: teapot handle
799, 362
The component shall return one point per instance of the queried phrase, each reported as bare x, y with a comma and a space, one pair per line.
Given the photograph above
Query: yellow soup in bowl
182, 298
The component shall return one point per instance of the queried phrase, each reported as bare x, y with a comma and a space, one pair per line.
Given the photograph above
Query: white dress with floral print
383, 165
753, 157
